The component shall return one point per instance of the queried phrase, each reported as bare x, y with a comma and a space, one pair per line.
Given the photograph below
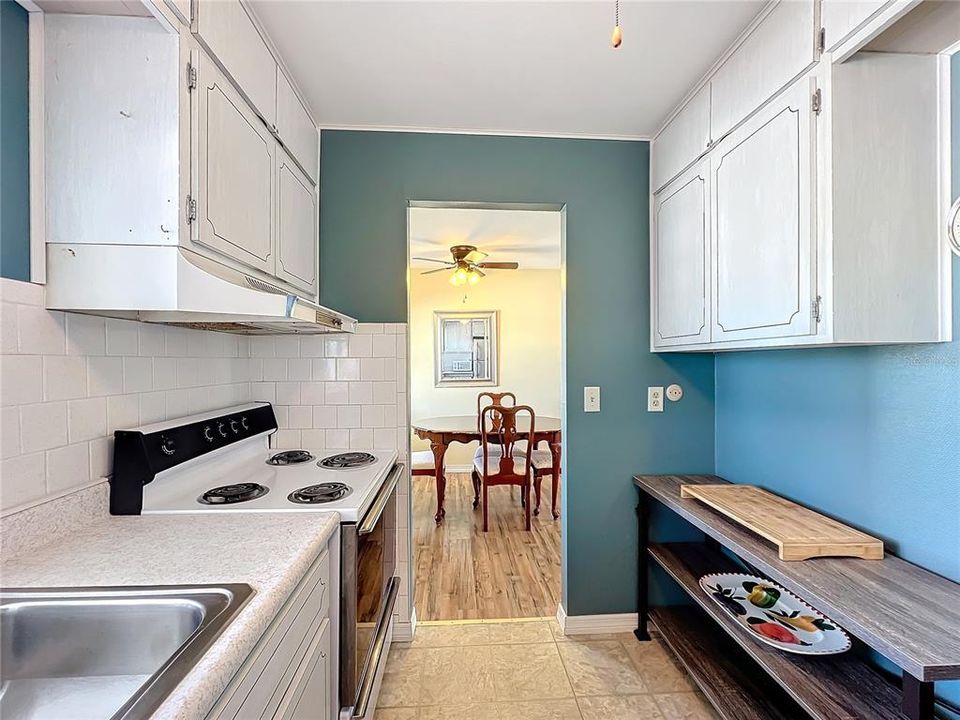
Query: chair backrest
489, 399
506, 435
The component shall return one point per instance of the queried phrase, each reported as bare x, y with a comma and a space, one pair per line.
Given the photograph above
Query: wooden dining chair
422, 463
486, 399
542, 461
499, 462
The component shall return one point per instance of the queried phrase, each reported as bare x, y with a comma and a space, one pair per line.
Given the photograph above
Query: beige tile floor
527, 670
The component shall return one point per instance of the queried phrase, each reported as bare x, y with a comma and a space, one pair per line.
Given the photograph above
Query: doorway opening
486, 323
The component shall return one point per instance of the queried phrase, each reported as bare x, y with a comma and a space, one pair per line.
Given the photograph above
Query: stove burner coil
229, 494
347, 461
321, 493
290, 457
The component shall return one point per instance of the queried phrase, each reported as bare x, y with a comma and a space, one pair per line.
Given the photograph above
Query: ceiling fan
468, 265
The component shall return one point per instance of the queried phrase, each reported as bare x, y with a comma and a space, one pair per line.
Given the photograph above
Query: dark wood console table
907, 614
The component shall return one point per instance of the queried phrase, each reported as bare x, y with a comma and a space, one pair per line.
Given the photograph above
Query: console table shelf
902, 611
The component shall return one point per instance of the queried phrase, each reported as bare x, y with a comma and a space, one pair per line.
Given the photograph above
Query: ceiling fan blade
475, 256
478, 271
431, 272
499, 265
445, 262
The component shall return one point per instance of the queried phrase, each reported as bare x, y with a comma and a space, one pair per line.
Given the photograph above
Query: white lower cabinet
291, 673
296, 212
762, 213
235, 161
680, 260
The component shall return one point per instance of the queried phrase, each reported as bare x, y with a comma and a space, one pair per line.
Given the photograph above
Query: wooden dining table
441, 431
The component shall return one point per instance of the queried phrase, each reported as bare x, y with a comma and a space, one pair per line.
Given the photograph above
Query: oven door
370, 556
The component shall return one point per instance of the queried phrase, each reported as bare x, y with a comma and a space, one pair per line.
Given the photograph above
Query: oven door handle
372, 517
375, 655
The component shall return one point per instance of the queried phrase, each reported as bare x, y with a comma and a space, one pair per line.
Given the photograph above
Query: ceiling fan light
459, 277
473, 277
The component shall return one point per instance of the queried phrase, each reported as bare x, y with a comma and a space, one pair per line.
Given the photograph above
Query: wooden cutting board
798, 532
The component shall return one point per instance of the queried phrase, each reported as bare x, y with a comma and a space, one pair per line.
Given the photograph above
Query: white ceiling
507, 66
528, 237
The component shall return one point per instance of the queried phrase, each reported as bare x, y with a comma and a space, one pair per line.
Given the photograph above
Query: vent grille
263, 286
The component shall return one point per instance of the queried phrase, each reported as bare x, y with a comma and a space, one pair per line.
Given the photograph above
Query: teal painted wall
367, 180
870, 435
14, 148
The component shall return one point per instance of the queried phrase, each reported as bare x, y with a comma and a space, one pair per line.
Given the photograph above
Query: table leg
555, 449
917, 702
643, 540
439, 449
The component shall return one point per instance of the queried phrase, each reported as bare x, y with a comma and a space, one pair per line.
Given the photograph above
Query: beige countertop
271, 552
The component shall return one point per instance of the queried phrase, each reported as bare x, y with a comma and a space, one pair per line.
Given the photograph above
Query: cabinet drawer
227, 31
682, 141
295, 128
297, 236
266, 675
777, 50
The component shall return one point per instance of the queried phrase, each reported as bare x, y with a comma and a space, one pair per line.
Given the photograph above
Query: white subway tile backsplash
348, 416
336, 393
86, 334
177, 403
325, 416
164, 373
324, 369
313, 393
286, 439
21, 379
361, 439
361, 393
361, 346
86, 419
298, 369
188, 372
372, 369
337, 439
372, 416
9, 330
288, 393
43, 426
101, 457
64, 377
389, 369
313, 439
369, 328
262, 346
123, 337
153, 408
175, 342
68, 467
42, 332
263, 392
311, 346
287, 346
137, 374
104, 376
384, 346
274, 369
24, 479
336, 346
300, 416
348, 369
9, 432
385, 439
152, 340
123, 412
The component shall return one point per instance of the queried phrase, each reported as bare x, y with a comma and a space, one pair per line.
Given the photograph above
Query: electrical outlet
674, 392
655, 399
591, 399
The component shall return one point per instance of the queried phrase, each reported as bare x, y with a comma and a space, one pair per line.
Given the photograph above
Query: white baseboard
595, 624
404, 631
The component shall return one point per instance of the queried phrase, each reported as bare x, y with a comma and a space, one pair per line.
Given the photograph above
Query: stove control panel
139, 456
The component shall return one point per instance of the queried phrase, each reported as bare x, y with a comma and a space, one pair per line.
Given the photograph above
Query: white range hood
174, 286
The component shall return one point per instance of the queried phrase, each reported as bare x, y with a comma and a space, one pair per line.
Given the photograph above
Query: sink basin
112, 652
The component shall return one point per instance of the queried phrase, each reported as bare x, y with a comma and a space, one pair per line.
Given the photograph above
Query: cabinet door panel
309, 693
295, 128
297, 236
683, 140
781, 47
227, 31
680, 261
762, 214
235, 173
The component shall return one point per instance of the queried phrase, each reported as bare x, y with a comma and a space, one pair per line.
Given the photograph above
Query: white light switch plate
655, 399
591, 398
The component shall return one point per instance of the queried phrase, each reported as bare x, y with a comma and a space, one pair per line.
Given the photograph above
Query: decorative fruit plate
774, 615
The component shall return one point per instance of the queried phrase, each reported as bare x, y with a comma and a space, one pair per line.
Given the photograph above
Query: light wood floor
464, 573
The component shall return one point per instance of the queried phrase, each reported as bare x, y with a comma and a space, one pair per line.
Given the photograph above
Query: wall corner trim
595, 624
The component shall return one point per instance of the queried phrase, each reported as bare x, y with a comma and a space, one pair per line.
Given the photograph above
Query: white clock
953, 226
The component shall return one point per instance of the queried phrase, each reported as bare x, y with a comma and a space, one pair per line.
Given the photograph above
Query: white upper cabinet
226, 30
297, 235
680, 260
295, 128
778, 49
762, 212
235, 156
842, 17
685, 138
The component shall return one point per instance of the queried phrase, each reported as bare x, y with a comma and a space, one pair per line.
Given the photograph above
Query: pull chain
617, 37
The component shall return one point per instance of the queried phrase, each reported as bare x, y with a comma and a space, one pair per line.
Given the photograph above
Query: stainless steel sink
113, 652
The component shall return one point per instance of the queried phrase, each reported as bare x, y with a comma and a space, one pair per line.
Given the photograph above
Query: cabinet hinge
817, 309
191, 209
191, 76
822, 40
816, 102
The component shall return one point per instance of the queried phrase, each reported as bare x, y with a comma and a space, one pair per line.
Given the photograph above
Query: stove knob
235, 426
208, 433
167, 445
245, 423
222, 429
